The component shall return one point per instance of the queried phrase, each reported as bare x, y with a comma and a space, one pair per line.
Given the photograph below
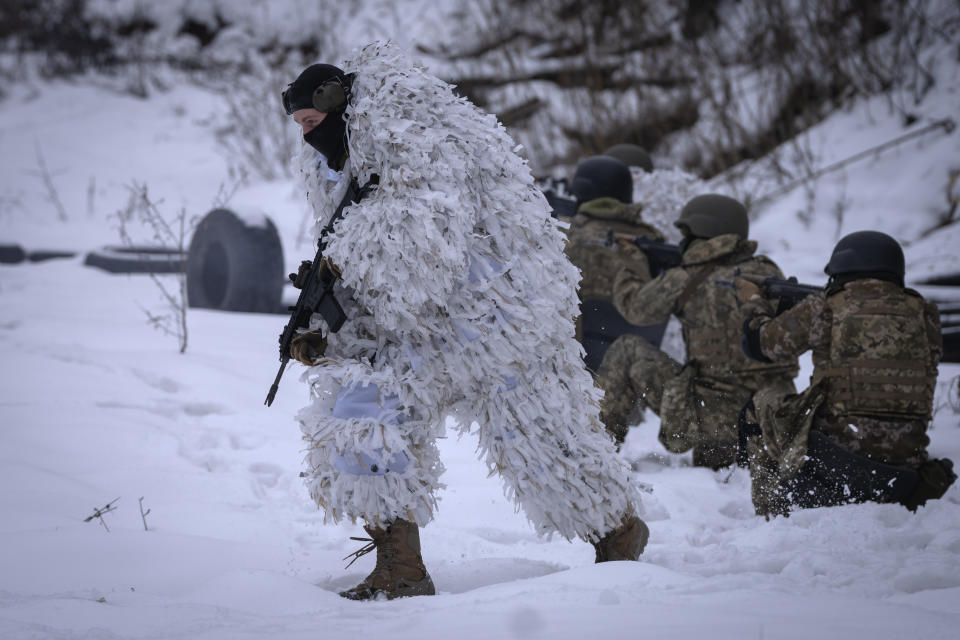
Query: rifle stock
661, 255
787, 292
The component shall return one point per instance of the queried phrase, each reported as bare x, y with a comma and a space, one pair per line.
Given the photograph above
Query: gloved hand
307, 348
747, 290
328, 270
751, 300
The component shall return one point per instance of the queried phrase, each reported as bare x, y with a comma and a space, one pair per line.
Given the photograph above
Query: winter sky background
97, 406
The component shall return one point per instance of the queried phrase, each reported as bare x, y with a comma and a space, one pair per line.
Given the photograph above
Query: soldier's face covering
329, 137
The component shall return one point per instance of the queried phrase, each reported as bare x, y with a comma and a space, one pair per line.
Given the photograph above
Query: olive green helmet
712, 214
631, 155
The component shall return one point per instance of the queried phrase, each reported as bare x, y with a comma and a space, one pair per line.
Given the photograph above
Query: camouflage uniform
876, 347
596, 241
698, 402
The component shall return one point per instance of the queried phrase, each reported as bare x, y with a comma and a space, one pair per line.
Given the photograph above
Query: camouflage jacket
875, 347
596, 244
707, 311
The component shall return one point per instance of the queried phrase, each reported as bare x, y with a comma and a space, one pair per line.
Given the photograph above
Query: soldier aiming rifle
859, 432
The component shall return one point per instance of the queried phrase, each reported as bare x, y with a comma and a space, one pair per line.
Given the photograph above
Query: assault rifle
315, 279
660, 255
787, 292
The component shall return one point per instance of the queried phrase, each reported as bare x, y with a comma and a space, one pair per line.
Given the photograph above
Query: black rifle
315, 280
660, 255
787, 292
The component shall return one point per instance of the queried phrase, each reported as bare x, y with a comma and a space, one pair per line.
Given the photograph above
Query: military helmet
866, 251
631, 155
712, 214
602, 177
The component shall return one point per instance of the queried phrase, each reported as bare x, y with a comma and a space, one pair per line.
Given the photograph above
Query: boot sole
405, 589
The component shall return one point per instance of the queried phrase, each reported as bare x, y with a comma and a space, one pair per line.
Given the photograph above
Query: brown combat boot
399, 571
626, 542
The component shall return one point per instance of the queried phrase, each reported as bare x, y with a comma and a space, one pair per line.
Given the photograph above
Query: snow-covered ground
95, 405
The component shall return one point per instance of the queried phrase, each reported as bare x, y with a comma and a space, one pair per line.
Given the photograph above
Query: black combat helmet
869, 253
711, 215
631, 155
602, 177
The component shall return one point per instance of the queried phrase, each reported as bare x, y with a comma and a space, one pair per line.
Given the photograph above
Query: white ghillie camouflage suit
460, 302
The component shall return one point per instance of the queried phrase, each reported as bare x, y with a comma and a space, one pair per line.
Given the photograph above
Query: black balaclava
330, 136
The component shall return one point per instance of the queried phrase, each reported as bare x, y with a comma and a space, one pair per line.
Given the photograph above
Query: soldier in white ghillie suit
460, 303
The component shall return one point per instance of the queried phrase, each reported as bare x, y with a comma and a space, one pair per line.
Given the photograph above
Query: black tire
233, 266
951, 345
12, 254
136, 260
43, 255
944, 280
950, 328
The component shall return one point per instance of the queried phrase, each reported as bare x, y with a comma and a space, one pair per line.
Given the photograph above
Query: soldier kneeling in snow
859, 431
459, 302
699, 400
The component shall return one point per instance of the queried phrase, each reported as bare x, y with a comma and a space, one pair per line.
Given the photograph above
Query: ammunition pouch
679, 419
688, 411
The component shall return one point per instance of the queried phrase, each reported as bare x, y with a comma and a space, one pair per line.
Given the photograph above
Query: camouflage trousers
784, 422
696, 411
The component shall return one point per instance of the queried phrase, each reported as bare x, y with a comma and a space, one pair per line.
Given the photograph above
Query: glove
307, 348
328, 271
751, 300
747, 291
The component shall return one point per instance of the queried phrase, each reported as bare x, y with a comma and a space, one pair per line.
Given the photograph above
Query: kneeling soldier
698, 401
858, 432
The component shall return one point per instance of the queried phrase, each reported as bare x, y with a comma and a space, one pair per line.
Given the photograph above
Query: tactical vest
712, 330
591, 248
880, 362
599, 259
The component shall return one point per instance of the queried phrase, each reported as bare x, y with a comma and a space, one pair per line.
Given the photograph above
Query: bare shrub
952, 193
171, 232
53, 196
738, 77
254, 131
573, 72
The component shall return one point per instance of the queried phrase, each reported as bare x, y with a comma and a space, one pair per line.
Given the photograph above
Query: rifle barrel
276, 382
